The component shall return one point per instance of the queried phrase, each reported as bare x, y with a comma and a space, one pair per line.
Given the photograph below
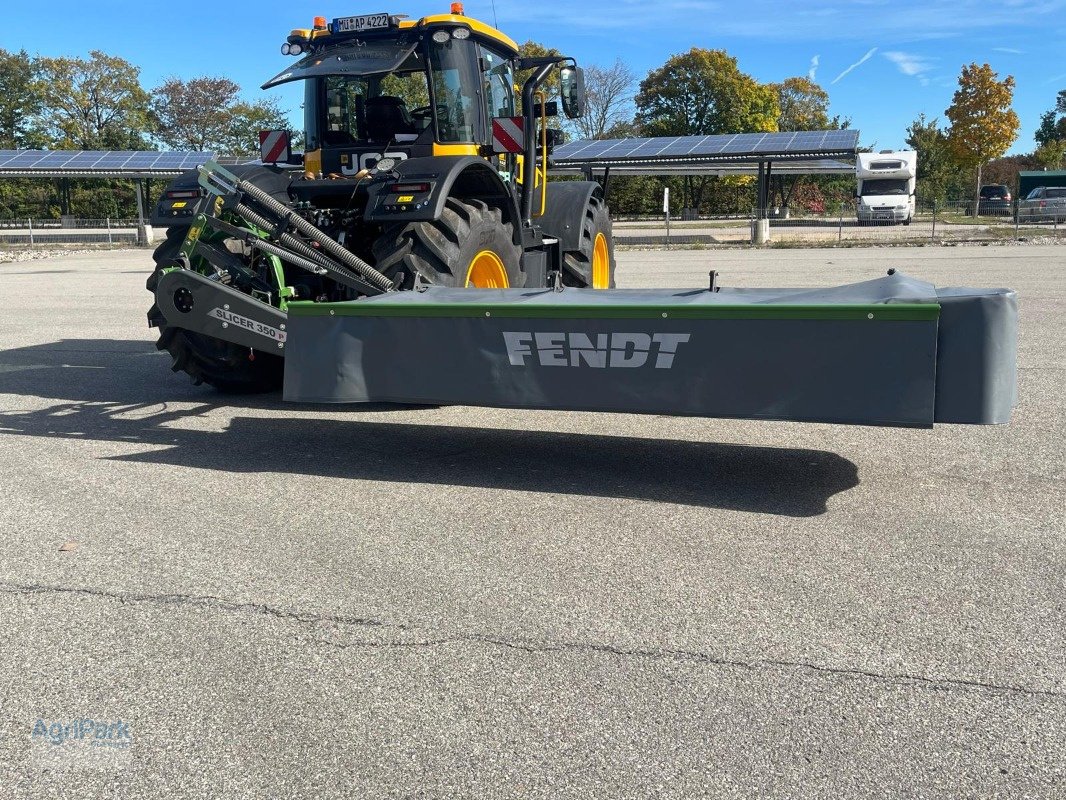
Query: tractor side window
456, 86
499, 84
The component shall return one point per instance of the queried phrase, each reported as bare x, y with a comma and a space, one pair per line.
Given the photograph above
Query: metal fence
951, 222
33, 232
840, 226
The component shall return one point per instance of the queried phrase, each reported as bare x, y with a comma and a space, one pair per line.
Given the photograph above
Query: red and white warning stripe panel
274, 146
507, 134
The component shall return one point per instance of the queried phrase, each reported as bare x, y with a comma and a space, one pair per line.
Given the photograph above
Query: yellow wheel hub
486, 271
601, 263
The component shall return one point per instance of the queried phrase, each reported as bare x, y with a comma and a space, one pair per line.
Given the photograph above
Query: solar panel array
90, 161
724, 147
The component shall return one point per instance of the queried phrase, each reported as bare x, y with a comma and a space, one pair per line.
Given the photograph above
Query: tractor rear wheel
592, 264
226, 366
469, 246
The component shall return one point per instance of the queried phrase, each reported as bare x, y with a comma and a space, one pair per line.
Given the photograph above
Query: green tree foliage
983, 124
93, 104
20, 100
207, 114
1053, 123
1052, 154
938, 177
242, 138
704, 92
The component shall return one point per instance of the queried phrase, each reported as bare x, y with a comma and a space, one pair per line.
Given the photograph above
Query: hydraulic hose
337, 251
302, 252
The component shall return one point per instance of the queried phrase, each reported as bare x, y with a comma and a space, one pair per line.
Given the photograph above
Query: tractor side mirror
572, 91
555, 137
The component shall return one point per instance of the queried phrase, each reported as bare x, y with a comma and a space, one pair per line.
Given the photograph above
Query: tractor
425, 164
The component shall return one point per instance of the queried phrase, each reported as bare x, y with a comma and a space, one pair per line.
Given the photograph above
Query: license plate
366, 22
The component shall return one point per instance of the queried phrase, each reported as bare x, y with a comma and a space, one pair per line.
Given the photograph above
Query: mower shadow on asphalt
110, 390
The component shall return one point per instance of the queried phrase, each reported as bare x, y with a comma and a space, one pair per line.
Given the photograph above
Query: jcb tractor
424, 164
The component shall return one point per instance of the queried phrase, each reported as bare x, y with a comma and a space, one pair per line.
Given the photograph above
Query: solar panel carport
136, 165
760, 154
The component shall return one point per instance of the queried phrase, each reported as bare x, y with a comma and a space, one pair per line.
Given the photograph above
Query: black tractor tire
226, 366
578, 264
443, 251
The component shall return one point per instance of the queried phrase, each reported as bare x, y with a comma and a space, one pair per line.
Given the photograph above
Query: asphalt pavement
251, 599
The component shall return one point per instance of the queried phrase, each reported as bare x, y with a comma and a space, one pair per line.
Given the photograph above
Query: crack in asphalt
524, 645
203, 601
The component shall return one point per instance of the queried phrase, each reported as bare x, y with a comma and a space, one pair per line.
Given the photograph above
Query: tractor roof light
295, 49
461, 33
285, 48
440, 37
320, 24
457, 9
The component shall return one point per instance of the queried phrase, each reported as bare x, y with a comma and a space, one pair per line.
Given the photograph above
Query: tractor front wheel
469, 246
592, 265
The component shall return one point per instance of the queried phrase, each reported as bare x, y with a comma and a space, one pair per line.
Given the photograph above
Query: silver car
1044, 203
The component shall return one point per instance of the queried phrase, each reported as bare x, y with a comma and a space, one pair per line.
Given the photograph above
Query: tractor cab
382, 86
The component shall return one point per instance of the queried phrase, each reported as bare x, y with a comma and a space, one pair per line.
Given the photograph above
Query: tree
93, 104
804, 106
242, 136
20, 100
937, 172
609, 94
1051, 155
1053, 123
703, 92
194, 114
207, 114
531, 49
983, 124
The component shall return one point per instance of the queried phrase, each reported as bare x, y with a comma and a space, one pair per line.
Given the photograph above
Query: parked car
995, 201
1044, 204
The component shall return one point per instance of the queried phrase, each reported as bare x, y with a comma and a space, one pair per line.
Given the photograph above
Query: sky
882, 61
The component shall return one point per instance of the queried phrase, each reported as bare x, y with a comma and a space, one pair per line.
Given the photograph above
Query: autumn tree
803, 104
703, 92
207, 114
609, 97
93, 104
983, 124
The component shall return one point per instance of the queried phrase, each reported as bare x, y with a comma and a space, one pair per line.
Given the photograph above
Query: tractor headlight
295, 49
440, 37
461, 33
285, 49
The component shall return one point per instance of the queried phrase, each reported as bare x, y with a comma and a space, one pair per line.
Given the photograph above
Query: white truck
886, 186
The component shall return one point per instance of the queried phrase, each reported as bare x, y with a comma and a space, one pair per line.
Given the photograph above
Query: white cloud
814, 66
860, 62
1012, 50
915, 66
